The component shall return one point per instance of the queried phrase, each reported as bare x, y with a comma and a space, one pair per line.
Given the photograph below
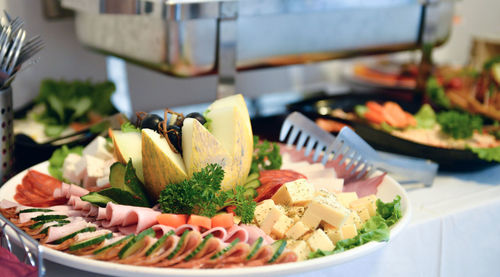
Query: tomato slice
224, 220
172, 220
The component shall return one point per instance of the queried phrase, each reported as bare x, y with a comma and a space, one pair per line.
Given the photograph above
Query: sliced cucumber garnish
49, 217
136, 243
252, 185
58, 224
127, 238
278, 247
179, 245
89, 242
32, 210
227, 248
251, 177
159, 242
39, 224
63, 239
255, 247
198, 249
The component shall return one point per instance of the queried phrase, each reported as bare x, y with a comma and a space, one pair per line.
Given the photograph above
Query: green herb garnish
459, 125
425, 117
202, 195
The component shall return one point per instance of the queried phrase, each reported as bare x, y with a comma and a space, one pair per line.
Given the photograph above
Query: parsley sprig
202, 195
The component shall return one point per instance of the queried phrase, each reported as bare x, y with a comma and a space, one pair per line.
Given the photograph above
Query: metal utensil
359, 158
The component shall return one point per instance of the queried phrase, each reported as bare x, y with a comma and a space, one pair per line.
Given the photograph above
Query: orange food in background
390, 113
329, 125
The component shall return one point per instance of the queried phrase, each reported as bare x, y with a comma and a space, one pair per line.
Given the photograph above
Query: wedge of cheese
230, 124
128, 145
298, 192
200, 148
161, 165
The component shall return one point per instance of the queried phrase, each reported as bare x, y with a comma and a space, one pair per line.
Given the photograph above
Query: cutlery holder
6, 134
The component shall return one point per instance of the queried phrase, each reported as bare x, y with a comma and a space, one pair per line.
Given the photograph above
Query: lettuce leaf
56, 161
391, 211
488, 154
426, 117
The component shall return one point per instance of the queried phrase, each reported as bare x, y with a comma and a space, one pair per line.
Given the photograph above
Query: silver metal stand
33, 251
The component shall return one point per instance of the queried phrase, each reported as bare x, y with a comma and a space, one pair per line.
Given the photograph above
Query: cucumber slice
49, 217
179, 245
97, 199
35, 210
278, 247
255, 247
117, 176
127, 238
251, 177
39, 224
46, 229
63, 239
250, 193
136, 243
83, 244
159, 243
227, 248
252, 185
198, 249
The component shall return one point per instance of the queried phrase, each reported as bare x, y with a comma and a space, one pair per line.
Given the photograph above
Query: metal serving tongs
358, 156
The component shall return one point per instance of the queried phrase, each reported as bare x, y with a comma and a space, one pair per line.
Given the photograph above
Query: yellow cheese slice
161, 165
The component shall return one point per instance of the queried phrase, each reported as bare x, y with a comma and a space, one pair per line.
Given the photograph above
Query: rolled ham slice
161, 229
217, 232
25, 217
123, 215
56, 233
236, 232
6, 204
180, 230
254, 233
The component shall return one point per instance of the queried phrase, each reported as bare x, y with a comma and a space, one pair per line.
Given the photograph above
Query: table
454, 231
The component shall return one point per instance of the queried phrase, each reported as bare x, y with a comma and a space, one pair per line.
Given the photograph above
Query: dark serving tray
448, 159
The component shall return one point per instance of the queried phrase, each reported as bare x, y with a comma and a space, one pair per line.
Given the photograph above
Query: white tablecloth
454, 231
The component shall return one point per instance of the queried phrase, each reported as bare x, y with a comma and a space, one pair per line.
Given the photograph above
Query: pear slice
128, 145
200, 148
161, 165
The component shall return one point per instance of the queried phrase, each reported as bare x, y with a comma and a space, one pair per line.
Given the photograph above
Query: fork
359, 157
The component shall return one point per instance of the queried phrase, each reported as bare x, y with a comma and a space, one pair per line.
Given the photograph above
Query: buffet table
454, 231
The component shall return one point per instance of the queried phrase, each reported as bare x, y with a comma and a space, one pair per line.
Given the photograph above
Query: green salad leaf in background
63, 102
425, 117
436, 93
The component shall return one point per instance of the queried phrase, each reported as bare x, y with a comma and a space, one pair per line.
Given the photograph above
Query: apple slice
200, 148
161, 165
128, 145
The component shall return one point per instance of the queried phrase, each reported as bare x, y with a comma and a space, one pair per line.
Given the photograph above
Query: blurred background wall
64, 57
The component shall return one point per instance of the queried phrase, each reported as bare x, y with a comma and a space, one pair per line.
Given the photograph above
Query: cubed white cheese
295, 212
298, 192
311, 219
354, 219
69, 170
345, 198
299, 247
297, 230
281, 226
271, 218
97, 148
345, 232
94, 169
335, 216
262, 209
332, 185
320, 241
369, 202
